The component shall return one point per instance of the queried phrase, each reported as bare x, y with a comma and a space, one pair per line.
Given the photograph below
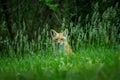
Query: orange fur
68, 49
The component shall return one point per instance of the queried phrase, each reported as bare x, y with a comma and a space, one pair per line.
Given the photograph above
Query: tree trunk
7, 14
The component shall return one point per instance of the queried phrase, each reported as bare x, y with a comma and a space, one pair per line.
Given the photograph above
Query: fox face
59, 42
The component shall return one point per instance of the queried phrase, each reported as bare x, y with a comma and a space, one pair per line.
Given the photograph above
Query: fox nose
58, 43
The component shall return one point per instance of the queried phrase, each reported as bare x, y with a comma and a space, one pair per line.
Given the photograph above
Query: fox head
59, 40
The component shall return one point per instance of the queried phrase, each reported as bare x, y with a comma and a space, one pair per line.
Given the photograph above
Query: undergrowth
96, 45
89, 64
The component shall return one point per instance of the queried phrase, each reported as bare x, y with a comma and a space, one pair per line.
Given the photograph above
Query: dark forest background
22, 22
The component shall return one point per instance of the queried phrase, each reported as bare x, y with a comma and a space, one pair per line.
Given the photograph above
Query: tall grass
95, 58
88, 64
100, 29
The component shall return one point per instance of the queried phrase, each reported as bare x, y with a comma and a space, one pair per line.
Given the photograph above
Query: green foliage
94, 36
97, 31
51, 5
91, 63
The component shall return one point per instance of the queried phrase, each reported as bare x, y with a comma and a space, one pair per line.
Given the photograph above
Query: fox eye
56, 39
62, 39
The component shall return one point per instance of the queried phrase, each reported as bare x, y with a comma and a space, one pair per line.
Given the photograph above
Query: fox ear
53, 32
65, 32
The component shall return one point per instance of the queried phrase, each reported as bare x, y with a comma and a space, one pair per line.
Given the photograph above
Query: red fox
60, 43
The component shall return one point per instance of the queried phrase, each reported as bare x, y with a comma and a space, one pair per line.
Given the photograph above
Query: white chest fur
59, 48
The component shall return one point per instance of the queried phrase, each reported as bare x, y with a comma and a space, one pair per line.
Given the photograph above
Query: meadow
92, 63
94, 40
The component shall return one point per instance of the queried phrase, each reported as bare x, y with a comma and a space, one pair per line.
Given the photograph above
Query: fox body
60, 43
